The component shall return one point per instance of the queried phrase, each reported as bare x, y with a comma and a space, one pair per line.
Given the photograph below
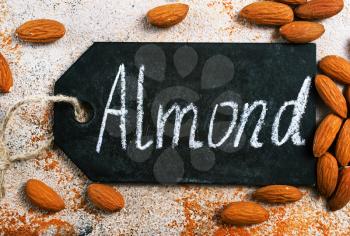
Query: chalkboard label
215, 113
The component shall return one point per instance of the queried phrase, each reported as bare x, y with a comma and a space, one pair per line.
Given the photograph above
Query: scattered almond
268, 13
105, 197
336, 67
41, 31
43, 196
327, 174
292, 2
331, 95
301, 31
342, 148
342, 194
167, 15
244, 213
319, 9
277, 194
325, 134
6, 81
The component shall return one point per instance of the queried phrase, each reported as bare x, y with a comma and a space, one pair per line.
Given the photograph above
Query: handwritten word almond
336, 67
327, 174
325, 134
301, 31
41, 31
268, 13
292, 2
331, 95
6, 81
342, 148
342, 194
319, 9
244, 213
105, 197
167, 15
277, 194
43, 196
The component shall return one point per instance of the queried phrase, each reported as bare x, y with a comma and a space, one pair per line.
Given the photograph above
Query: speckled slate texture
150, 210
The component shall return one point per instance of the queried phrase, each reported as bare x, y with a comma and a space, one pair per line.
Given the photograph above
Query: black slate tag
218, 113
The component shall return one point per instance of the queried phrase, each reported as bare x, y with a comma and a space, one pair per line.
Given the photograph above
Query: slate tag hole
88, 113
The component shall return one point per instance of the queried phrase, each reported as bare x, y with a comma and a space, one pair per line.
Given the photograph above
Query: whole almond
105, 197
331, 95
327, 174
277, 194
325, 134
167, 15
342, 148
244, 213
43, 196
336, 67
319, 9
6, 81
268, 13
301, 31
342, 194
292, 2
40, 31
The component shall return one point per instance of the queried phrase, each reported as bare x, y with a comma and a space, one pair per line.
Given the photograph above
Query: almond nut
319, 9
342, 194
167, 15
292, 2
336, 67
244, 213
268, 13
342, 148
325, 134
43, 196
301, 31
331, 95
277, 194
105, 197
6, 81
40, 31
327, 174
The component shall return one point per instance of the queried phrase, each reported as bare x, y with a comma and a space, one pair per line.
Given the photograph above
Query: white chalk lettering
139, 118
247, 111
234, 107
298, 111
122, 112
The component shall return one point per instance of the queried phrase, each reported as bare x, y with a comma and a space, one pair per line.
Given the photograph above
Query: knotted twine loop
5, 158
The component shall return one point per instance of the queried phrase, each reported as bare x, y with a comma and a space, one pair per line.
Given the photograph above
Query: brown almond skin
277, 194
244, 213
342, 194
292, 2
167, 15
331, 95
41, 31
327, 174
336, 67
105, 197
268, 13
319, 9
302, 31
326, 133
43, 196
342, 148
6, 80
347, 94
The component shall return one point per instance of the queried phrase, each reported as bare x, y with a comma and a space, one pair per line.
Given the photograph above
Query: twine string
5, 157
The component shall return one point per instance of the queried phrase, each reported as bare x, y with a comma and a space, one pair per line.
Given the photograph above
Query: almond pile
333, 133
248, 213
44, 197
285, 12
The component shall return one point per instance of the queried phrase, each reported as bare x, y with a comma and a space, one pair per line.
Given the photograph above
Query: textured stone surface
150, 210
